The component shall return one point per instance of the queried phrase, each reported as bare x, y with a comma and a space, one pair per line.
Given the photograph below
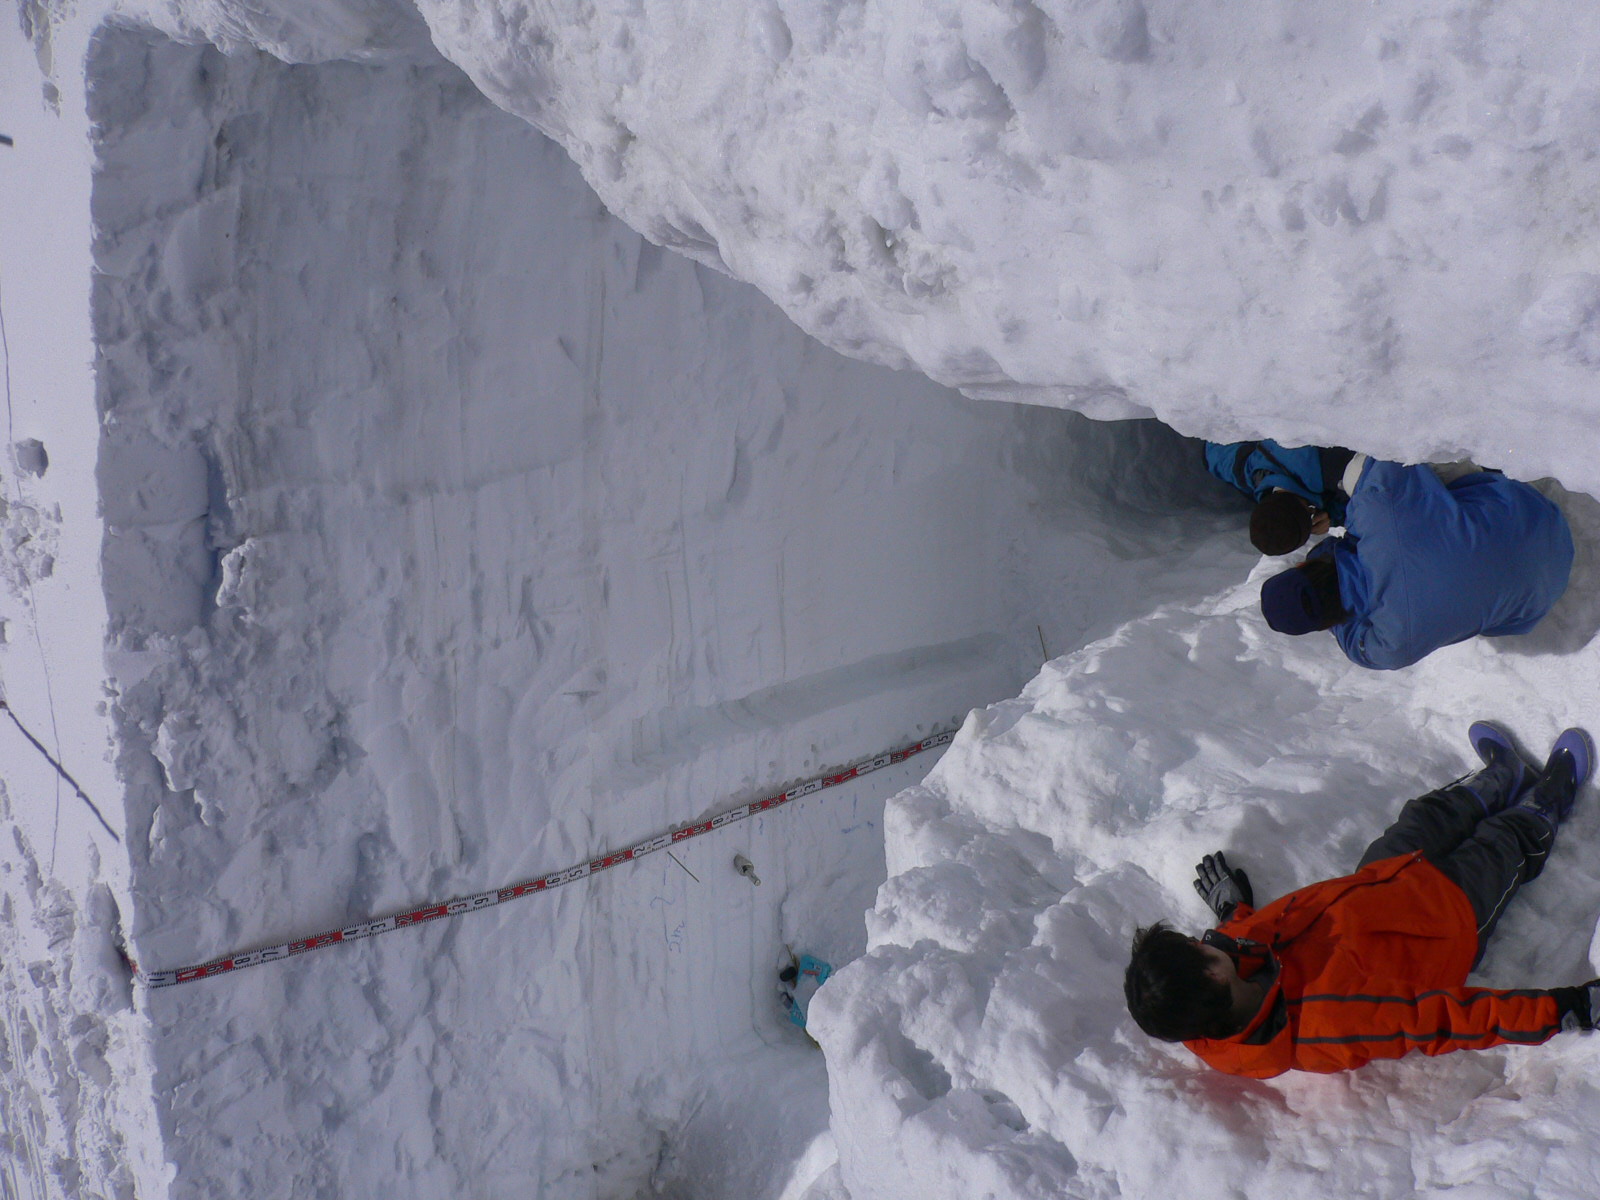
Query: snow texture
422, 527
1368, 226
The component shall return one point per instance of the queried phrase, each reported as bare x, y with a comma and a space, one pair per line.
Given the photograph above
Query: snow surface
76, 1109
1367, 226
421, 527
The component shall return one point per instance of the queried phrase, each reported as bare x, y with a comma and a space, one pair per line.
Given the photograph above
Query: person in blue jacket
1297, 491
1424, 564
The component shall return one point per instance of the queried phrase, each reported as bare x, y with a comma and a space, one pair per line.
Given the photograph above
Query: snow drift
983, 1039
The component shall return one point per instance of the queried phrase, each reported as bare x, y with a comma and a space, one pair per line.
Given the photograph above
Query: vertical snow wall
455, 533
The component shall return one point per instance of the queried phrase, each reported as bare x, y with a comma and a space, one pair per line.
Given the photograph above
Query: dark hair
1281, 523
1172, 994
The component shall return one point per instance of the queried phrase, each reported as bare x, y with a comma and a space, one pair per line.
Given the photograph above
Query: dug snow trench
455, 533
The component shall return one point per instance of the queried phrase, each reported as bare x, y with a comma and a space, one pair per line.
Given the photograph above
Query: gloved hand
1579, 1005
1222, 887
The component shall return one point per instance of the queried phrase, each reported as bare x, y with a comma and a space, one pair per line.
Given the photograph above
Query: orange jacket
1369, 966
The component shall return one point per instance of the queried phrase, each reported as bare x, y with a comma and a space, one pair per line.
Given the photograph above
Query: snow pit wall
455, 533
1367, 228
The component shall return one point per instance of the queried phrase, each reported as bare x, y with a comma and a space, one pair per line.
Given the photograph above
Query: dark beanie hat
1280, 524
1292, 603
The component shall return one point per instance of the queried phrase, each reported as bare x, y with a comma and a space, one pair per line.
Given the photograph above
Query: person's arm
1352, 638
1365, 648
1386, 1018
1355, 634
1222, 460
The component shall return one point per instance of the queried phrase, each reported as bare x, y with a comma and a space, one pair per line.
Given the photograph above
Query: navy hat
1281, 523
1292, 603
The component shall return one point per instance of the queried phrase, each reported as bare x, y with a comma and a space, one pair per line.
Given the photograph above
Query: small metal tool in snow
746, 868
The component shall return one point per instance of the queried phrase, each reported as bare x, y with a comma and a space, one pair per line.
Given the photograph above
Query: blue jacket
1424, 565
1256, 468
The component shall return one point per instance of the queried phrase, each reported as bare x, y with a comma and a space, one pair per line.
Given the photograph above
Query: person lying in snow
1297, 492
1374, 965
1425, 563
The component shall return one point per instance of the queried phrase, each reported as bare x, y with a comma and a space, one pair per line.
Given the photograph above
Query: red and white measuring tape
465, 904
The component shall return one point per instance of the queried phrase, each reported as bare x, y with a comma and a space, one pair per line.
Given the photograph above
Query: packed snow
384, 520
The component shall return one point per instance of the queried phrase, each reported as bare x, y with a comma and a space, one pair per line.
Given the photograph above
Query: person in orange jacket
1374, 964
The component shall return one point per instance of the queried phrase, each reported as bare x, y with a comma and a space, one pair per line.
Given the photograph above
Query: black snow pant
1485, 848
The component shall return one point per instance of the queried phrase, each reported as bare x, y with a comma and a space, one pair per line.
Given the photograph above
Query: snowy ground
454, 532
76, 1111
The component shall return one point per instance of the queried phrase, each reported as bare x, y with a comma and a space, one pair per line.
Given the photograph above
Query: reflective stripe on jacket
1372, 965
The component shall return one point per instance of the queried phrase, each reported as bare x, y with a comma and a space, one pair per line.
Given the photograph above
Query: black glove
1222, 887
1578, 1006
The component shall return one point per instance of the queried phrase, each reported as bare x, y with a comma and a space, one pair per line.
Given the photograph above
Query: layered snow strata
982, 1046
1368, 227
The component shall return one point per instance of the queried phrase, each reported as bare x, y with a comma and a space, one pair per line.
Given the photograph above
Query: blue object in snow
811, 973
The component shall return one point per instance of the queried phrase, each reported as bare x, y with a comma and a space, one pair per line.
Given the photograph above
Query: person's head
1283, 522
1304, 598
1179, 989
